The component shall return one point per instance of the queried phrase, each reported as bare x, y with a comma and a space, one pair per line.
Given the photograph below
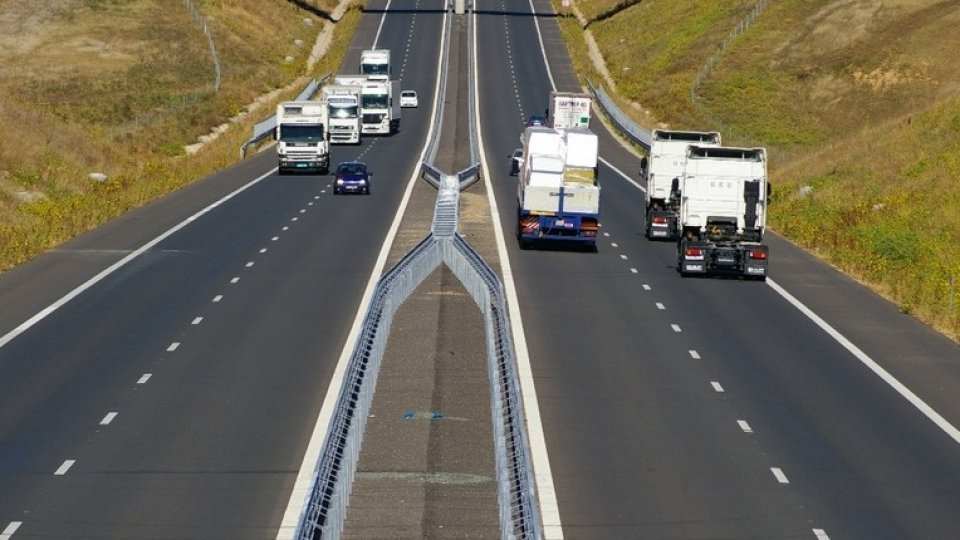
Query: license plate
756, 270
693, 267
560, 223
725, 260
302, 165
658, 233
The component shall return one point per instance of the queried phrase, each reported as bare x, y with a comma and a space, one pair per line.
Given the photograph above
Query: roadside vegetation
857, 101
121, 88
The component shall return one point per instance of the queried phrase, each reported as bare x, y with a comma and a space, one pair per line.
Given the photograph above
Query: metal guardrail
623, 122
325, 511
266, 128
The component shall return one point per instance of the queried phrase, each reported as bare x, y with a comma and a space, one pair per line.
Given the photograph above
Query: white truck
662, 172
379, 111
301, 135
558, 193
569, 110
375, 63
343, 111
723, 203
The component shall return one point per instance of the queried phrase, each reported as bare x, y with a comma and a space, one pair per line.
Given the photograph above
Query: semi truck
723, 202
569, 110
375, 64
343, 111
379, 103
301, 135
558, 192
662, 172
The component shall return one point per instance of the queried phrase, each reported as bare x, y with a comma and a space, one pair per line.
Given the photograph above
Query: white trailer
723, 202
343, 110
662, 172
569, 110
558, 193
301, 135
375, 63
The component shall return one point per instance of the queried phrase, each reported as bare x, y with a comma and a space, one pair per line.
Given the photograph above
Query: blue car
352, 177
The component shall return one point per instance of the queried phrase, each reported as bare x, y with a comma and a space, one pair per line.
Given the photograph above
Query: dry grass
121, 87
857, 99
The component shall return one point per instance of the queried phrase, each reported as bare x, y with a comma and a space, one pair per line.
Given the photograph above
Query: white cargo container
569, 110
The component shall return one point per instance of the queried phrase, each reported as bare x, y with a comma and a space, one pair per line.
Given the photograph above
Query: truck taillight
758, 254
694, 252
659, 220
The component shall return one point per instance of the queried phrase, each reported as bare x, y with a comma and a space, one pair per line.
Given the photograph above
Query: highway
214, 347
175, 397
710, 408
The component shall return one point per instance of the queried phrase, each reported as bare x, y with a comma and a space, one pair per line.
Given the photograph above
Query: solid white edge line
546, 490
62, 470
7, 533
623, 174
45, 312
301, 488
383, 19
907, 394
820, 534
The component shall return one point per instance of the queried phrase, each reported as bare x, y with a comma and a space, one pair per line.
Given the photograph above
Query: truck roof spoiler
726, 152
691, 136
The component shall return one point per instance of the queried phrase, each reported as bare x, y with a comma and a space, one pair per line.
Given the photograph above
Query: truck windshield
374, 101
343, 112
375, 69
301, 133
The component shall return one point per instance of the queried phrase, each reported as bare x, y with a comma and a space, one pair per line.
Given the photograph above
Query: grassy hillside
120, 88
858, 102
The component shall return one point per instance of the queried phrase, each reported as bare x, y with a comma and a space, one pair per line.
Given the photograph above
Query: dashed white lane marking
29, 323
249, 264
310, 203
303, 210
606, 234
197, 321
676, 327
7, 533
624, 257
294, 219
646, 287
217, 298
660, 306
779, 475
614, 244
173, 346
235, 279
694, 354
820, 534
716, 386
633, 270
144, 378
275, 238
316, 196
108, 418
285, 228
744, 426
263, 250
62, 470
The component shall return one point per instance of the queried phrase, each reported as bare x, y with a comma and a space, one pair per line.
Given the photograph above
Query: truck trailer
723, 201
301, 135
558, 192
662, 172
569, 110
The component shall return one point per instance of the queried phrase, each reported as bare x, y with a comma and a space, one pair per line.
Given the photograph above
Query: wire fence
711, 62
202, 23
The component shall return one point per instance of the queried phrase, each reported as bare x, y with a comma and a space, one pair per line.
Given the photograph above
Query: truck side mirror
643, 166
769, 192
